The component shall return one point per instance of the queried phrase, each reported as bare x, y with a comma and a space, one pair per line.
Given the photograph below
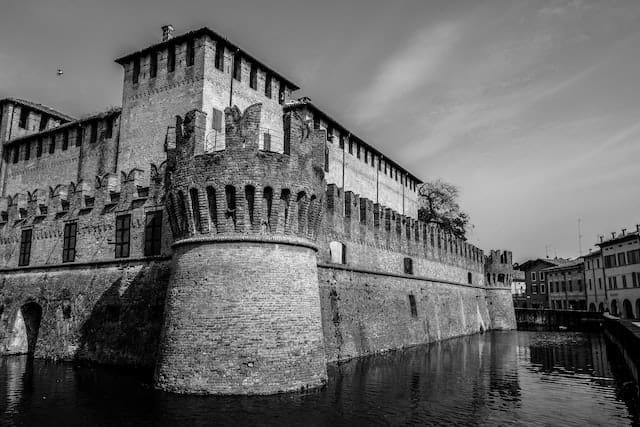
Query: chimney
601, 238
167, 32
637, 228
613, 234
624, 231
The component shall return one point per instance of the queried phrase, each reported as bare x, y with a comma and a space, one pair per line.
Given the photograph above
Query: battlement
244, 189
93, 206
499, 268
350, 217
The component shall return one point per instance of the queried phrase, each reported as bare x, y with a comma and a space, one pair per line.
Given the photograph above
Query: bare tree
439, 205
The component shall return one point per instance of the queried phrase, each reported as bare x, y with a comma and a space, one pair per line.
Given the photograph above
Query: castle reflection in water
495, 378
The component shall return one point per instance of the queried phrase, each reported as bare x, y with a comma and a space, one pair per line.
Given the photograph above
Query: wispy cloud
415, 65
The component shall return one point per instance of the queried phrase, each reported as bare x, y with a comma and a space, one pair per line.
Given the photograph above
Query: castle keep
215, 230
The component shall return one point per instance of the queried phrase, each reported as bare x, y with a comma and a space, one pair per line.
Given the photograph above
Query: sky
531, 107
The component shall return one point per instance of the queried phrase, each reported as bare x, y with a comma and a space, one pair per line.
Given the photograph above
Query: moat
523, 378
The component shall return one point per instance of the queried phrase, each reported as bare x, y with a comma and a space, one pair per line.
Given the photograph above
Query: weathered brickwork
274, 269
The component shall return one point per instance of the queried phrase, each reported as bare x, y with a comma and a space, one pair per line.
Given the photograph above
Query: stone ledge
399, 275
74, 265
248, 238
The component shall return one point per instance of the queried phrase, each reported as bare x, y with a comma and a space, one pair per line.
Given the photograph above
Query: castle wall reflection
534, 378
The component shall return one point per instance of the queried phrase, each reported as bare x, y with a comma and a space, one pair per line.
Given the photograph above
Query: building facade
595, 282
214, 229
567, 290
620, 256
537, 291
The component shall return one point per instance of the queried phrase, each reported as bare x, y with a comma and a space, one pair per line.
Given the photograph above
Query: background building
535, 280
566, 286
595, 282
621, 259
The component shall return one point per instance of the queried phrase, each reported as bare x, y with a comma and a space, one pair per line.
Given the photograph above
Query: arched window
213, 205
285, 196
230, 193
267, 206
302, 204
182, 213
338, 252
195, 208
249, 194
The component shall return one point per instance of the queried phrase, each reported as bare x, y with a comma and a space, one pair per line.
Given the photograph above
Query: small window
338, 252
350, 147
267, 86
191, 52
69, 242
153, 233
123, 235
79, 136
286, 128
216, 120
357, 150
408, 266
219, 58
253, 77
153, 64
412, 305
136, 70
108, 128
65, 139
44, 120
533, 275
93, 136
52, 145
281, 94
39, 148
469, 278
316, 122
267, 141
326, 159
16, 154
237, 67
25, 247
27, 150
171, 59
24, 117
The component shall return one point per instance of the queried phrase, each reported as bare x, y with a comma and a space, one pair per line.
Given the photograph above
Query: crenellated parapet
244, 190
93, 206
499, 268
350, 217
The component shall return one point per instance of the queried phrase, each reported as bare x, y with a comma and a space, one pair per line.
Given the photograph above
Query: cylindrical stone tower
243, 306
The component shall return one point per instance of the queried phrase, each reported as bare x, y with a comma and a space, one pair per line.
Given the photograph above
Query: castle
222, 234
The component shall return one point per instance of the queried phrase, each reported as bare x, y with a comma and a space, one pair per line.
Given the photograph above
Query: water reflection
493, 379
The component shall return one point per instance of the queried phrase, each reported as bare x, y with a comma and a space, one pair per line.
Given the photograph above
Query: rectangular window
609, 261
598, 262
541, 276
16, 154
350, 147
136, 70
412, 305
621, 259
93, 135
65, 139
27, 150
171, 59
52, 145
634, 279
341, 142
216, 120
615, 282
357, 150
408, 266
267, 141
633, 257
39, 148
191, 52
123, 226
108, 129
281, 94
79, 136
624, 280
326, 159
533, 275
542, 289
44, 120
253, 77
267, 86
24, 117
286, 129
153, 64
600, 282
237, 67
69, 242
25, 247
219, 58
153, 233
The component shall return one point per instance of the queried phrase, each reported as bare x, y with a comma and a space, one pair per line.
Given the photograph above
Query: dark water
500, 378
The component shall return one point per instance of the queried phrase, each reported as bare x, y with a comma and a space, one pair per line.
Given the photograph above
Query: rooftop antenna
546, 250
579, 237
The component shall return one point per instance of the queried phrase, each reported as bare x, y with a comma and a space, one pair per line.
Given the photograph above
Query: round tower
243, 307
